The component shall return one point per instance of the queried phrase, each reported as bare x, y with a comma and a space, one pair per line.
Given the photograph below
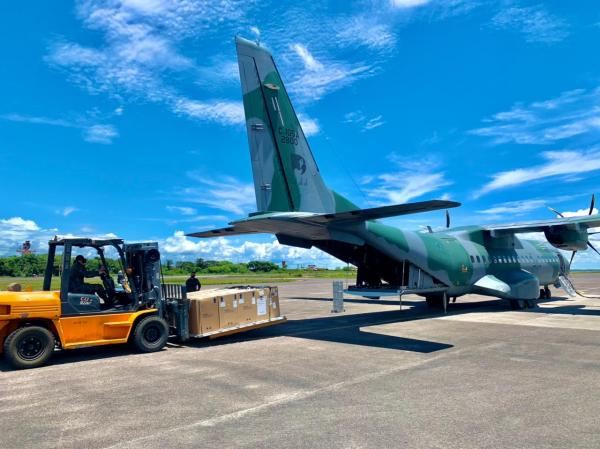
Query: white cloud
38, 120
92, 132
307, 58
66, 211
572, 113
219, 111
558, 164
373, 123
15, 230
100, 134
140, 51
534, 22
514, 207
412, 180
221, 192
367, 124
310, 126
232, 249
18, 224
322, 77
580, 213
408, 3
182, 210
367, 31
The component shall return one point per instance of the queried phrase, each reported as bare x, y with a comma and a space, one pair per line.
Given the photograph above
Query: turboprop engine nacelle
569, 239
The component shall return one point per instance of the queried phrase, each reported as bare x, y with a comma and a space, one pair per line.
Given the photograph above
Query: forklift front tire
150, 334
29, 347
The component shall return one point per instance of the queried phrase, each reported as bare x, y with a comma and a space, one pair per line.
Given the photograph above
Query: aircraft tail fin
286, 176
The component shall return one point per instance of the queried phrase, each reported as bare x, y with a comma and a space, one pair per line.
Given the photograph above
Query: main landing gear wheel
150, 334
522, 304
29, 347
435, 301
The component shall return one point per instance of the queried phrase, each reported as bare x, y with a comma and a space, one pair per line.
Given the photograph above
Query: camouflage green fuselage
460, 257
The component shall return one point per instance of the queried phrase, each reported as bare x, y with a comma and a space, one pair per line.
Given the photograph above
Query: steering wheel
109, 284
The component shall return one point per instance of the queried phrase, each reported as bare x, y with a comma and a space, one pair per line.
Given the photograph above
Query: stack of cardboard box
217, 309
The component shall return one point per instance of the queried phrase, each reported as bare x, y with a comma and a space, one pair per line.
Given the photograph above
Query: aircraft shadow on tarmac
339, 328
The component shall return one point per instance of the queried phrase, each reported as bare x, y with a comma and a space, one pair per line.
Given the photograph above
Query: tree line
35, 264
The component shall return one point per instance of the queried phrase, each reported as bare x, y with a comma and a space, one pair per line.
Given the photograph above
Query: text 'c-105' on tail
294, 204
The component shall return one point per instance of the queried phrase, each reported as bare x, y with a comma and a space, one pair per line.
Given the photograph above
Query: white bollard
338, 297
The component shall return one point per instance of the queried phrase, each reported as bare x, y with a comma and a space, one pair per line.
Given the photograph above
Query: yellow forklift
137, 309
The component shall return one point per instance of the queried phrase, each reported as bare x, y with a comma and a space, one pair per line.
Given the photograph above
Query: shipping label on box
261, 308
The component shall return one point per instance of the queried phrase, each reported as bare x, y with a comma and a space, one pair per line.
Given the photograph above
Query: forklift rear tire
29, 347
150, 334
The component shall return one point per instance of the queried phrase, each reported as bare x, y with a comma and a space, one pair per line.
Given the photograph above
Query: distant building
25, 248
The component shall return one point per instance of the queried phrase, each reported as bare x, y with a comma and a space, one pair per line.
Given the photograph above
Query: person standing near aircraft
193, 284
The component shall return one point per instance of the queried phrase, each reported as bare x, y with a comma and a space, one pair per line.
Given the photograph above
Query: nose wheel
522, 304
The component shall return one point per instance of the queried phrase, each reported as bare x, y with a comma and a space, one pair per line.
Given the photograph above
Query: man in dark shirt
192, 284
77, 279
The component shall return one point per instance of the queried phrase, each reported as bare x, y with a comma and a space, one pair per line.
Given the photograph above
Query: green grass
35, 283
31, 283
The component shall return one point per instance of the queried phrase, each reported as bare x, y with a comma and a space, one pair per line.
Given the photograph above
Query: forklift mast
142, 262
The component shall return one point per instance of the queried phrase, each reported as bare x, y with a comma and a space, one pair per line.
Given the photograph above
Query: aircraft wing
586, 222
383, 212
286, 222
223, 232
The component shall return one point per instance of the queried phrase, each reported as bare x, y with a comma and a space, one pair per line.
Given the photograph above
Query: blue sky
125, 117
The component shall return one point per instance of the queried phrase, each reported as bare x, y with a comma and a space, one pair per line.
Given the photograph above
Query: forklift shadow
344, 329
82, 355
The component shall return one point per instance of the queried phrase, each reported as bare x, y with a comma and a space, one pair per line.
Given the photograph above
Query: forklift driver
79, 273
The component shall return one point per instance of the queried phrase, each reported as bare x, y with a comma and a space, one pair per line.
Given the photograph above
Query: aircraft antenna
345, 167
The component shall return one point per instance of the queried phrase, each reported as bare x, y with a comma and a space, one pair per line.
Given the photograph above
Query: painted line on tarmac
282, 399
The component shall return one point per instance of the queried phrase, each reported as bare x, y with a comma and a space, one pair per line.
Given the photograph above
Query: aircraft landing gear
522, 304
545, 293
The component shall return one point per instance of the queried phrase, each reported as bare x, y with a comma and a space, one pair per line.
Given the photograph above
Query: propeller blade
592, 204
592, 246
556, 212
572, 257
447, 219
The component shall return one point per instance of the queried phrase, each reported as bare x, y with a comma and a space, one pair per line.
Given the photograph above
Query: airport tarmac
372, 377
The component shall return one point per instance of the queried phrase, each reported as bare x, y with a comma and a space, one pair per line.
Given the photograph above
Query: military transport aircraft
294, 203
